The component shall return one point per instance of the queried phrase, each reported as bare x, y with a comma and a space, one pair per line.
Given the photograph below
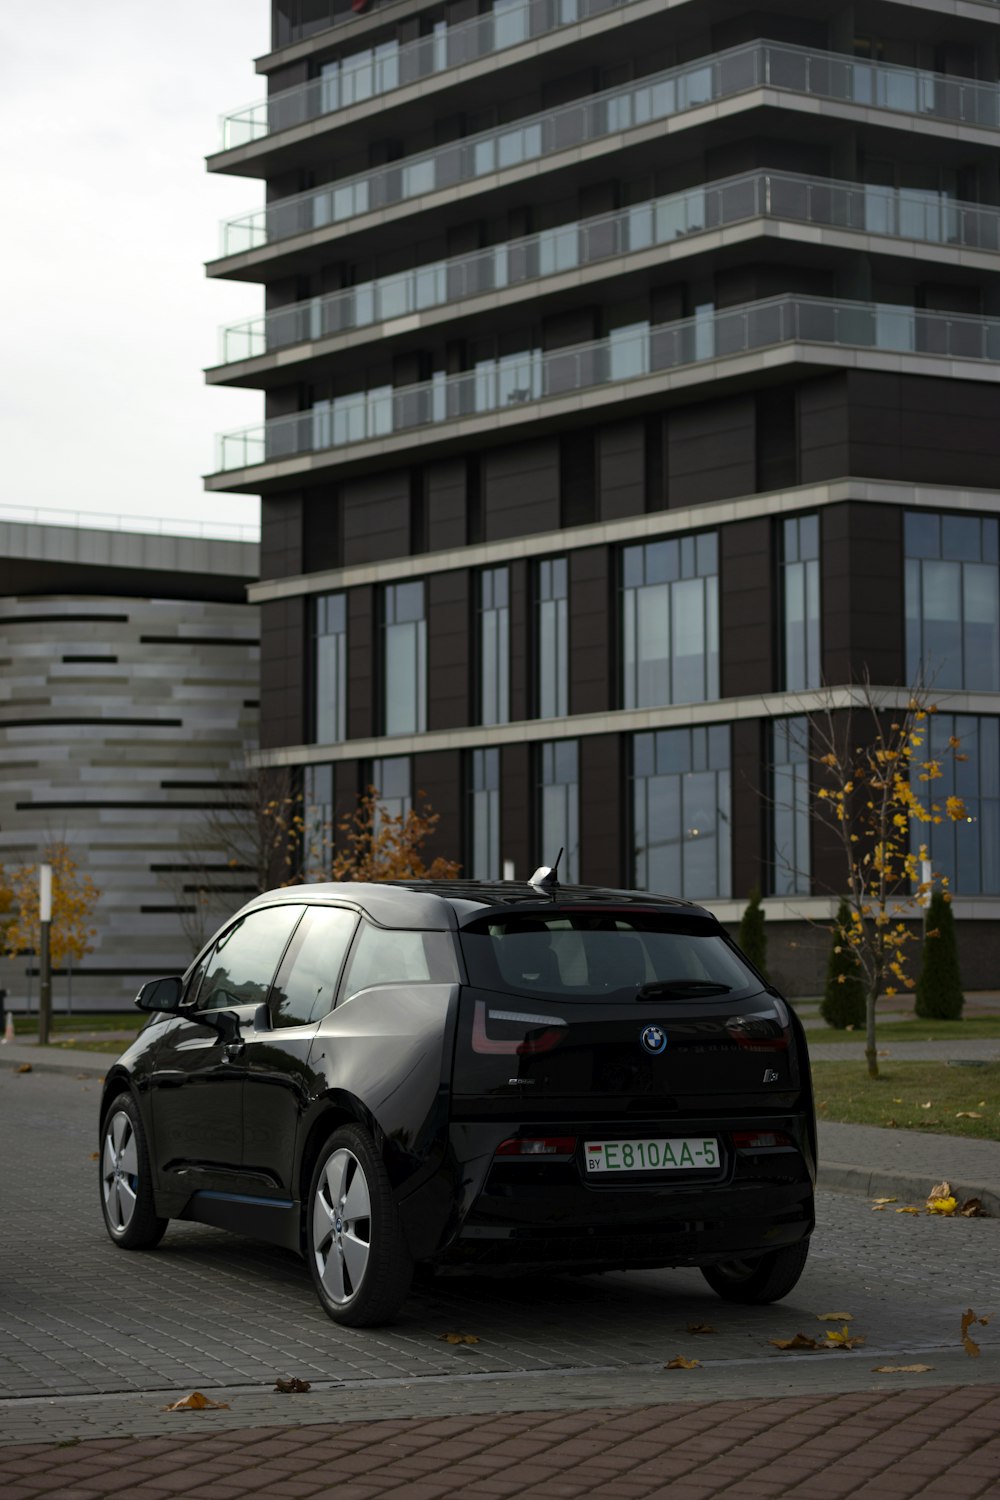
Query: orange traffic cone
8, 1031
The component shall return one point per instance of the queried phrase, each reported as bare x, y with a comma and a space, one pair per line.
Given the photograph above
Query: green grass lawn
913, 1031
63, 1025
911, 1096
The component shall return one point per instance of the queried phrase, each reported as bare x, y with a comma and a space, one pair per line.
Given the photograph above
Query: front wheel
764, 1278
130, 1215
360, 1265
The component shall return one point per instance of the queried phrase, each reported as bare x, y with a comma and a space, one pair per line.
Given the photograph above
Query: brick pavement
867, 1446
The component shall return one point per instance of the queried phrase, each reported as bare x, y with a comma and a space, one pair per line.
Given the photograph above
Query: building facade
128, 702
630, 377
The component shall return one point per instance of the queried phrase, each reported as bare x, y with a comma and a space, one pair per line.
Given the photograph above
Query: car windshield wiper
694, 987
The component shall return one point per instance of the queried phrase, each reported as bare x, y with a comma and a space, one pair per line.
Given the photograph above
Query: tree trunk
871, 1054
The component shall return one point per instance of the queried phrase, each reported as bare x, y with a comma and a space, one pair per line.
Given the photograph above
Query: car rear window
587, 955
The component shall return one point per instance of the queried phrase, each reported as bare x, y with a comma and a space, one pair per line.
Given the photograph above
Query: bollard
8, 1031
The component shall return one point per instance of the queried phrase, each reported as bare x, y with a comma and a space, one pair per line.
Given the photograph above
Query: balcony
389, 67
531, 262
626, 356
760, 65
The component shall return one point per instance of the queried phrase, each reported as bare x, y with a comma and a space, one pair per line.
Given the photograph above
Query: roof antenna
546, 877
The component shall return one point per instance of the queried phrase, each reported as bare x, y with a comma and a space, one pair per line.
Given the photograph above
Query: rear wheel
764, 1278
130, 1215
360, 1265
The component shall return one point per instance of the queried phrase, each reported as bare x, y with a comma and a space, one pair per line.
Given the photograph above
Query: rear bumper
524, 1213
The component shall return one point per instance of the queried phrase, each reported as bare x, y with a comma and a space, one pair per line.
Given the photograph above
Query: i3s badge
654, 1039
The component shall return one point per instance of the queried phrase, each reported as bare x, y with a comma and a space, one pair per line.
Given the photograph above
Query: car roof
445, 904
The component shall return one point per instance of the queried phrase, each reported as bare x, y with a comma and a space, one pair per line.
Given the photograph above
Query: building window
484, 814
790, 846
330, 669
681, 812
670, 621
390, 776
552, 637
967, 852
952, 601
317, 821
800, 603
559, 807
404, 659
494, 646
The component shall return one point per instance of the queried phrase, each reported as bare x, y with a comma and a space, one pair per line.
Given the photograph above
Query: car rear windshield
574, 955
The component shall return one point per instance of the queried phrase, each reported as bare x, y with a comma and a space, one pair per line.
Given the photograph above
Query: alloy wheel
341, 1226
120, 1171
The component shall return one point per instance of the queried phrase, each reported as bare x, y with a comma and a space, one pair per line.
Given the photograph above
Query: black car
469, 1076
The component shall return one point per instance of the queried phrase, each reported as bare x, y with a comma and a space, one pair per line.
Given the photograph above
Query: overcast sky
107, 110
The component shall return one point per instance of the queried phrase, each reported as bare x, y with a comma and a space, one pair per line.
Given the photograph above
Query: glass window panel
484, 814
307, 980
800, 603
494, 647
559, 806
681, 817
404, 659
243, 961
982, 627
552, 638
923, 535
670, 628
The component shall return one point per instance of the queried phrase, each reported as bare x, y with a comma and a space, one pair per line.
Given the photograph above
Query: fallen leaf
908, 1210
901, 1369
941, 1190
878, 1208
972, 1208
95, 1156
197, 1402
701, 1328
293, 1386
843, 1339
886, 1053
835, 1317
680, 1363
969, 1318
968, 1114
24, 1068
928, 1105
885, 1200
897, 1101
459, 1338
944, 1206
891, 1122
800, 1341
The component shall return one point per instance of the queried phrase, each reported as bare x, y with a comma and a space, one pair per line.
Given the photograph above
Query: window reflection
681, 817
494, 646
552, 636
800, 603
330, 669
483, 773
790, 823
670, 621
404, 659
968, 852
559, 807
952, 587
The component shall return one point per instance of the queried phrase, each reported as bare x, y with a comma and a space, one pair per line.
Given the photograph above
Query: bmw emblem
654, 1039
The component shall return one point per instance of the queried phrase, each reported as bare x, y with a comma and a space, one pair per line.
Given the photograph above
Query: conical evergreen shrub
939, 987
753, 938
843, 1001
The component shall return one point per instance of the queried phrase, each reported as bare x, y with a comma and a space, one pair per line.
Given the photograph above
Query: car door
279, 1081
197, 1080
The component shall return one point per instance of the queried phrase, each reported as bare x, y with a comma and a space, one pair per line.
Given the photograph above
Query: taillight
513, 1031
762, 1032
760, 1140
548, 1145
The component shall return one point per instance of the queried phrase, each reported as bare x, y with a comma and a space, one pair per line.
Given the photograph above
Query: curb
872, 1182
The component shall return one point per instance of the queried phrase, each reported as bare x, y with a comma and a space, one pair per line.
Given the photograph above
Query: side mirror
161, 994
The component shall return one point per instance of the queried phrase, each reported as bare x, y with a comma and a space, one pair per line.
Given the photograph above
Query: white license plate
660, 1155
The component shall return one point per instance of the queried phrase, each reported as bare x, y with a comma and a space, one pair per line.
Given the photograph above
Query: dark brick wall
746, 608
603, 790
520, 488
861, 596
362, 665
748, 751
282, 677
376, 513
448, 650
621, 470
444, 503
591, 634
710, 451
281, 536
517, 809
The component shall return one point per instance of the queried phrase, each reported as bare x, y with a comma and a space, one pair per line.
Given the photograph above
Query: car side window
389, 956
307, 979
242, 963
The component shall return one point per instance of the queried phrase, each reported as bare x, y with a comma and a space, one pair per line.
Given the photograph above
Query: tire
360, 1265
126, 1180
765, 1278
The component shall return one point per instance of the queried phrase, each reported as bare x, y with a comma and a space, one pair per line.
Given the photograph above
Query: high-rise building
630, 375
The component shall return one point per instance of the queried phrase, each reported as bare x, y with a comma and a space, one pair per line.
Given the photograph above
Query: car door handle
233, 1050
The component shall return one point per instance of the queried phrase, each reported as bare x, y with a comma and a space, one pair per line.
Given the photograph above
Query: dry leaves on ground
800, 1341
701, 1328
843, 1338
900, 1369
680, 1363
24, 1068
969, 1319
972, 1208
835, 1317
197, 1402
459, 1338
293, 1386
909, 1209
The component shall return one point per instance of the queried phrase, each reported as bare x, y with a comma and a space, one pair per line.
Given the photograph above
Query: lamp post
44, 954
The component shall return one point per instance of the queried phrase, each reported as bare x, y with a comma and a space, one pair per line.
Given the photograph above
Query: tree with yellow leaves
873, 797
74, 897
375, 844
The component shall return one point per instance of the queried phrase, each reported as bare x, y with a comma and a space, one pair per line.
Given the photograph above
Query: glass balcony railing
908, 214
379, 70
723, 75
626, 354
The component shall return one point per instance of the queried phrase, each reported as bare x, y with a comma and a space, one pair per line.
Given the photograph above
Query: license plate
659, 1155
